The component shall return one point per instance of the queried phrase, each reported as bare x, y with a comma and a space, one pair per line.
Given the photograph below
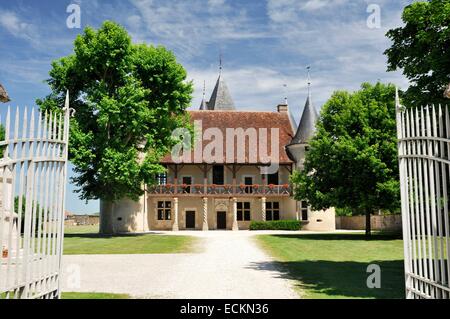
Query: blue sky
264, 44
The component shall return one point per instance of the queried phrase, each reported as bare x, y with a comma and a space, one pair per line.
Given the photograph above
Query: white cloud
216, 3
284, 11
342, 50
16, 26
312, 5
134, 21
190, 26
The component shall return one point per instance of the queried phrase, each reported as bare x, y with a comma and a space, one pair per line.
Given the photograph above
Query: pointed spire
309, 81
285, 94
220, 98
203, 104
307, 127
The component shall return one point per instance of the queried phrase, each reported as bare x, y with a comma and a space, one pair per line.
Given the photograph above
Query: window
243, 211
304, 210
272, 211
164, 210
161, 179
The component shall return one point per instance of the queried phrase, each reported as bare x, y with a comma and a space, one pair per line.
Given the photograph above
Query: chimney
282, 108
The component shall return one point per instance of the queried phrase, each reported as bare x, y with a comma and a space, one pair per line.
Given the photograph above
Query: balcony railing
219, 190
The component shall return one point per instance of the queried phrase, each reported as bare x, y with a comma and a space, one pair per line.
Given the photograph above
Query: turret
220, 98
305, 131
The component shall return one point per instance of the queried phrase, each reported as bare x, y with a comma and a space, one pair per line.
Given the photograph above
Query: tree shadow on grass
333, 279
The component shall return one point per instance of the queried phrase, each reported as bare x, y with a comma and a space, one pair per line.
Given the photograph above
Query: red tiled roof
224, 120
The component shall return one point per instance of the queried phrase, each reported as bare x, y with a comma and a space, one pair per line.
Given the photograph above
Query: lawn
85, 240
334, 265
92, 295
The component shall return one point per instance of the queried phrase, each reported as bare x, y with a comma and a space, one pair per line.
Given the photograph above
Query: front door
190, 220
221, 220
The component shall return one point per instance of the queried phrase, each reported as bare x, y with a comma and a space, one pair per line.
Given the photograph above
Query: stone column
175, 215
263, 209
235, 223
205, 214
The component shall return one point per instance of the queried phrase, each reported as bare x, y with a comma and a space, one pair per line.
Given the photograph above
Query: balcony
202, 190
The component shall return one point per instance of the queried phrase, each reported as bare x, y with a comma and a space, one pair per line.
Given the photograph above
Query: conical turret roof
221, 99
307, 127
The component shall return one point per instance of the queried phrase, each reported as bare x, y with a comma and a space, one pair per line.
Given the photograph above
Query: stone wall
77, 220
378, 222
321, 221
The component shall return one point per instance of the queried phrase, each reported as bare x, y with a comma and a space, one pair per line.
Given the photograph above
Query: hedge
276, 225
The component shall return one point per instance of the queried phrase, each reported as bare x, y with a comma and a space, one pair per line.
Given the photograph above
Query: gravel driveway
230, 266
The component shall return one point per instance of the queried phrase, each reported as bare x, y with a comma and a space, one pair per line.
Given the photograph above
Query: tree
39, 213
422, 49
128, 99
352, 160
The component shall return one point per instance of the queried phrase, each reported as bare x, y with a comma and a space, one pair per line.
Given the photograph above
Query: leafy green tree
128, 99
352, 161
422, 49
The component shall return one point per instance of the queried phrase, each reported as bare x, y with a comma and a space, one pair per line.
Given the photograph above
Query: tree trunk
368, 225
106, 217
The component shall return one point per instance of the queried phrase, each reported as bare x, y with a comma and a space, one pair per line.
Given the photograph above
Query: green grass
92, 295
332, 266
85, 240
81, 229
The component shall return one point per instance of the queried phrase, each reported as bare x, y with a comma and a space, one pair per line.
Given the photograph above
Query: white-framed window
161, 178
164, 210
304, 211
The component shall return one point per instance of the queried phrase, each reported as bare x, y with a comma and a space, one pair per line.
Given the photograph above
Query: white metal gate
424, 155
33, 169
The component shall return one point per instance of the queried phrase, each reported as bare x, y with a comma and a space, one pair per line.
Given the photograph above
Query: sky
266, 46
